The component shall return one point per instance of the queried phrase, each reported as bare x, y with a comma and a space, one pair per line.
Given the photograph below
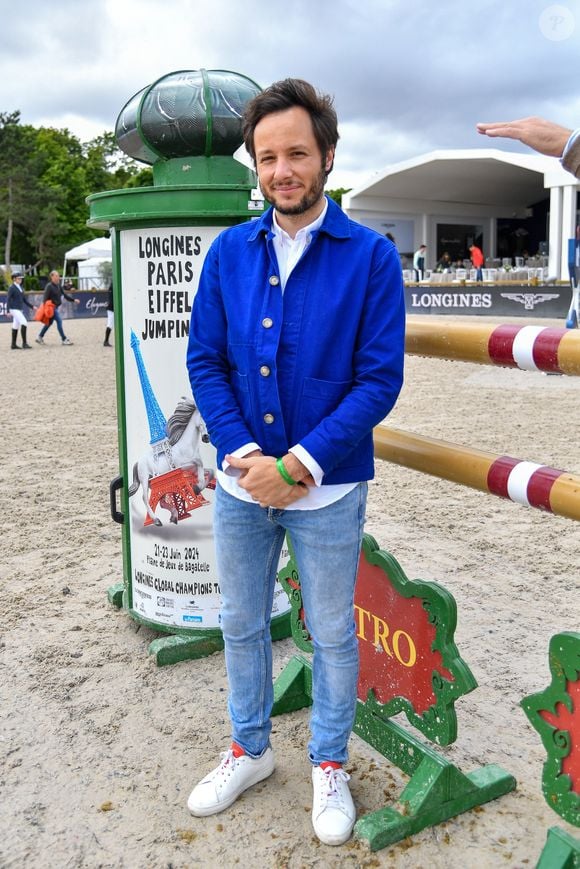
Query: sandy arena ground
99, 747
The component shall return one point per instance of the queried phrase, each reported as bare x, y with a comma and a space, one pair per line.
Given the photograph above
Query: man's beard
310, 198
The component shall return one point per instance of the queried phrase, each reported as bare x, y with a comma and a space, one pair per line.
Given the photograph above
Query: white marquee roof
479, 176
96, 247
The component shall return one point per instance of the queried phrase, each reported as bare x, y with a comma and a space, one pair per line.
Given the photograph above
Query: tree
63, 181
338, 193
105, 270
21, 194
109, 168
142, 178
45, 176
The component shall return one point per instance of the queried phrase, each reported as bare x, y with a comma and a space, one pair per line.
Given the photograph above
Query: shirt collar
335, 222
305, 230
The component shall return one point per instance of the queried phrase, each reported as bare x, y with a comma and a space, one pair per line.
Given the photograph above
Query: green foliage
20, 196
31, 284
338, 193
45, 177
143, 178
105, 270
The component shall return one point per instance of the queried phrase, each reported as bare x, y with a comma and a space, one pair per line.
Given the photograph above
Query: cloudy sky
408, 76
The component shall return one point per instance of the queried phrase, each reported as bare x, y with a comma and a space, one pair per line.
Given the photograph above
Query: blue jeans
326, 546
56, 319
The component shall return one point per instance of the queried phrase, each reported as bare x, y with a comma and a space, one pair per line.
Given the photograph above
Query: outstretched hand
262, 480
541, 135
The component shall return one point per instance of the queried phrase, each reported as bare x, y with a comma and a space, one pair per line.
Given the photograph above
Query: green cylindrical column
187, 126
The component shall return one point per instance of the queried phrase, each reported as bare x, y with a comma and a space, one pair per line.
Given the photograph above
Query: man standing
419, 262
477, 260
295, 353
15, 303
54, 292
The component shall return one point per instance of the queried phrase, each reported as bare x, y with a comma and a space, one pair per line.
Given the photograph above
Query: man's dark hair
285, 95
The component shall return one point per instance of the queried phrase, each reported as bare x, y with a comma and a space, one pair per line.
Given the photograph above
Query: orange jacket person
477, 259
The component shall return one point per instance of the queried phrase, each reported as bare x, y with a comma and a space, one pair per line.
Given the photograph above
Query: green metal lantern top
191, 113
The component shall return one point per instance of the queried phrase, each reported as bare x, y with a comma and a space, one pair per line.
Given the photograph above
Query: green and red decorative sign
408, 663
555, 714
408, 660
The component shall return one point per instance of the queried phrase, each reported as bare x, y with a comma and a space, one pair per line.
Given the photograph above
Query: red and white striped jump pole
523, 482
532, 348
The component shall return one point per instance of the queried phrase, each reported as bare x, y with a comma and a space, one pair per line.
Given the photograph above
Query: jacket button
268, 418
264, 371
274, 280
267, 323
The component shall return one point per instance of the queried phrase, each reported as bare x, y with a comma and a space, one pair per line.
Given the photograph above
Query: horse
185, 431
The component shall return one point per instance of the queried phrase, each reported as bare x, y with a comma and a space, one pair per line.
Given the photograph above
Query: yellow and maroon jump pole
531, 348
523, 482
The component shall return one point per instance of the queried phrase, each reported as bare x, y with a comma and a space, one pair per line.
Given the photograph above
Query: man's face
291, 169
55, 277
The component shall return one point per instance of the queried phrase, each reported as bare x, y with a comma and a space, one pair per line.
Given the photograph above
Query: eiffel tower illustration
156, 419
175, 489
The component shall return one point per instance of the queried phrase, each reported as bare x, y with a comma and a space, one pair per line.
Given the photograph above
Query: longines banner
523, 301
506, 301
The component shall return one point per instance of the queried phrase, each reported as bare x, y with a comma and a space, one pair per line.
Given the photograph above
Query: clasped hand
262, 480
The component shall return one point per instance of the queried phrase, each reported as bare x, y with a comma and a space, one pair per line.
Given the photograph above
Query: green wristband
284, 473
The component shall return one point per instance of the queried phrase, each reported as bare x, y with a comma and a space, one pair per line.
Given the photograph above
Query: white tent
90, 274
96, 247
89, 256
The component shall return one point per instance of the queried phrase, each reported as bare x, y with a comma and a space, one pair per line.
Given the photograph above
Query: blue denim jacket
319, 365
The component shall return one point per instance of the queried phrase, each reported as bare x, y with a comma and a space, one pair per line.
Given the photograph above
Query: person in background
444, 264
295, 353
541, 135
419, 262
15, 303
55, 292
477, 260
110, 317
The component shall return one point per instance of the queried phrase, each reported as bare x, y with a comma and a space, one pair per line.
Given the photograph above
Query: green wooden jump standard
555, 714
408, 663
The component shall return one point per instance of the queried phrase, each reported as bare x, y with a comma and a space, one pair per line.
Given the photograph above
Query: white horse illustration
185, 431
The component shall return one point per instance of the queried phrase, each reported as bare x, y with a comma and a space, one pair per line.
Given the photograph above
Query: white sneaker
333, 811
66, 342
39, 340
226, 782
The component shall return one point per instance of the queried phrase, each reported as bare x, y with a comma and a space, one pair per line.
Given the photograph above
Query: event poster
171, 463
